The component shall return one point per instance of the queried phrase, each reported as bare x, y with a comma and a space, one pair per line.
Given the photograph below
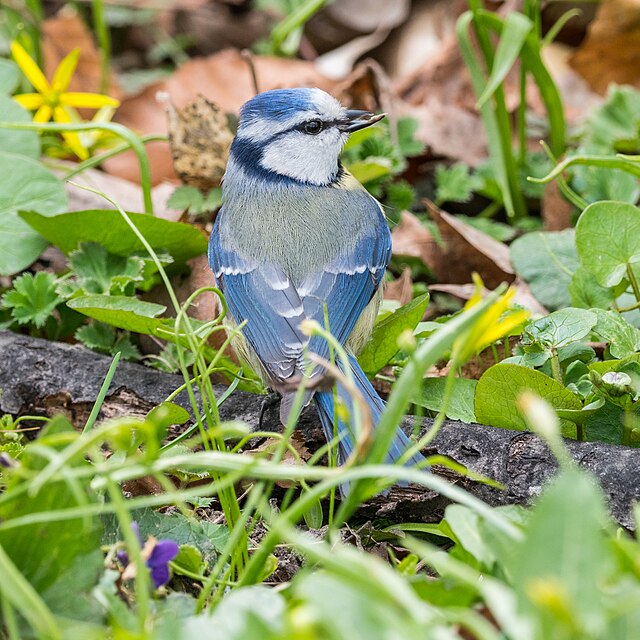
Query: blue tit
296, 234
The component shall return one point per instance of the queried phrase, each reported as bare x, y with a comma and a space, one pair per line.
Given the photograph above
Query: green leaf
31, 187
371, 169
383, 344
516, 28
465, 525
108, 228
613, 122
9, 76
249, 613
97, 335
547, 260
559, 328
33, 298
608, 240
53, 554
461, 404
586, 293
400, 195
409, 146
123, 312
623, 338
189, 561
565, 559
209, 538
98, 271
606, 424
456, 183
24, 143
104, 338
185, 197
500, 386
167, 414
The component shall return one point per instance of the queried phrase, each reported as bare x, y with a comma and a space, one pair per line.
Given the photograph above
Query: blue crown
278, 105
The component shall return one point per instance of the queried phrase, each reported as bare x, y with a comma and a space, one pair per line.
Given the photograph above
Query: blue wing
273, 307
264, 297
346, 286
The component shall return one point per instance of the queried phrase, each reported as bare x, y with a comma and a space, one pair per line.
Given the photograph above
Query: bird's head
297, 134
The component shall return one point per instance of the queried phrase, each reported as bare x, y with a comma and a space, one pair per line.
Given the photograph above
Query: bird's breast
301, 230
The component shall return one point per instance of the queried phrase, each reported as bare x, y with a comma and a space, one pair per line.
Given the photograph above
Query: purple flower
157, 555
6, 460
158, 562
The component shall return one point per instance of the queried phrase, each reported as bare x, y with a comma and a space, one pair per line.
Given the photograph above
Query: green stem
113, 127
104, 39
631, 276
556, 369
103, 393
633, 307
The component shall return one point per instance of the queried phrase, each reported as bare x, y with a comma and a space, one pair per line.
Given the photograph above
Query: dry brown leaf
468, 250
523, 295
412, 238
63, 33
224, 78
400, 289
200, 137
556, 210
214, 26
421, 37
611, 50
340, 22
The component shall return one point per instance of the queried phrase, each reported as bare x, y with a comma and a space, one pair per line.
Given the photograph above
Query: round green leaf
500, 386
27, 185
24, 143
608, 239
547, 261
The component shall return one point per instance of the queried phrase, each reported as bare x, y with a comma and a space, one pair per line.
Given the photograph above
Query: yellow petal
29, 101
62, 76
71, 138
87, 100
43, 114
503, 328
29, 68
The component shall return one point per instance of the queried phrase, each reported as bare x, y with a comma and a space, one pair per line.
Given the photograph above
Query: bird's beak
355, 120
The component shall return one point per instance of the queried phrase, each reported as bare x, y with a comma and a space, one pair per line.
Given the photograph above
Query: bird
298, 237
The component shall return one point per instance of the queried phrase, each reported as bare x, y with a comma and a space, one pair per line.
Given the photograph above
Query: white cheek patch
305, 157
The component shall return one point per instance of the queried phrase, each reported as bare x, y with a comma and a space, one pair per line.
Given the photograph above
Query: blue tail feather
324, 401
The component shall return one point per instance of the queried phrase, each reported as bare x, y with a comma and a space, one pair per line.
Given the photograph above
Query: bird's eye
313, 127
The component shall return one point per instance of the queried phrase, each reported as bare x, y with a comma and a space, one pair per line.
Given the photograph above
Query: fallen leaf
468, 250
523, 295
400, 289
611, 51
214, 26
412, 238
341, 22
224, 78
200, 137
556, 210
420, 38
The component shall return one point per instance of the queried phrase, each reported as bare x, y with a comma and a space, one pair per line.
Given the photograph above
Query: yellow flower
52, 100
497, 322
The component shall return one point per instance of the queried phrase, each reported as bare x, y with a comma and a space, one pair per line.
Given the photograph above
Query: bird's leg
269, 401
